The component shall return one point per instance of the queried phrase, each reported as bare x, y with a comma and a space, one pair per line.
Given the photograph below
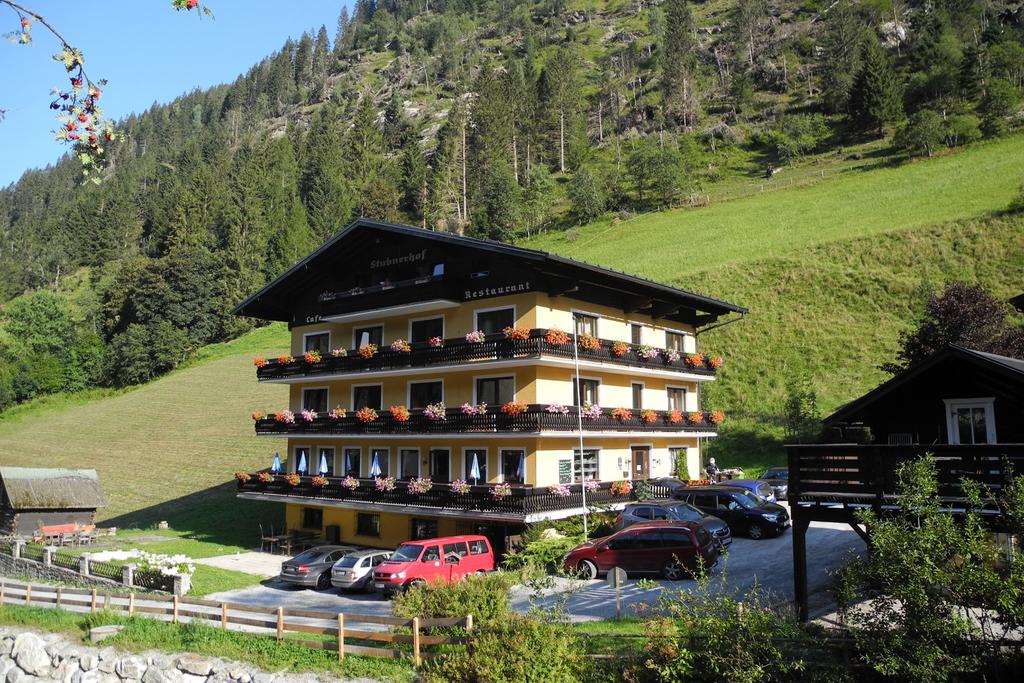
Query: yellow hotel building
434, 389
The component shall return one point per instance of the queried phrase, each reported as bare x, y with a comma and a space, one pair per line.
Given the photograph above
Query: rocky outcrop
29, 657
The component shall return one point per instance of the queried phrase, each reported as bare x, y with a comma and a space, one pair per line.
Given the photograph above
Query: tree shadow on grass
213, 514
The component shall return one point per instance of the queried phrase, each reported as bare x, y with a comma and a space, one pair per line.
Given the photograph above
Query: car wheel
673, 570
414, 583
323, 582
587, 569
755, 531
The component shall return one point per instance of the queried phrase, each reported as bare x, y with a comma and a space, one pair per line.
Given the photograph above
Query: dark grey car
673, 511
778, 479
312, 568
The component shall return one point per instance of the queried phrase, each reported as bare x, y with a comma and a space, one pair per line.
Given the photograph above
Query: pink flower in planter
559, 490
308, 415
476, 337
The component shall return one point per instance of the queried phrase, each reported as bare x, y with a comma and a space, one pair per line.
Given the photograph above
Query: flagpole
579, 424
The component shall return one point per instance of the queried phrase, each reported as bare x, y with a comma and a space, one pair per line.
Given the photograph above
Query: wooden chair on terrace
268, 540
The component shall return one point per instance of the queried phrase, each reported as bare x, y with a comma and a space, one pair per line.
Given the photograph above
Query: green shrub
542, 553
519, 648
485, 597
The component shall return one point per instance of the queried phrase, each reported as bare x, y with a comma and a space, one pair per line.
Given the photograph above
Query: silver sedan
355, 570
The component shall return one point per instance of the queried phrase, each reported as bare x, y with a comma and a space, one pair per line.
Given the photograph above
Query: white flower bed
168, 565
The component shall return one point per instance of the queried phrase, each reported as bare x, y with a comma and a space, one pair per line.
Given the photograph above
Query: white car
355, 570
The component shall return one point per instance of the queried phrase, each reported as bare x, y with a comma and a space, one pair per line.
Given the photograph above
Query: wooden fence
372, 636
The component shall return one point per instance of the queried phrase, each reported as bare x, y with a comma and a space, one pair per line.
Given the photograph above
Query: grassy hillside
161, 448
857, 202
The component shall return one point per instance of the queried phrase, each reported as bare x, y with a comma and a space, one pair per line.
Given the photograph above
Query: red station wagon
669, 548
435, 559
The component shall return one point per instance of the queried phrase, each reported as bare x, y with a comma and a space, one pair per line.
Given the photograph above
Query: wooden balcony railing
867, 474
495, 347
536, 418
523, 500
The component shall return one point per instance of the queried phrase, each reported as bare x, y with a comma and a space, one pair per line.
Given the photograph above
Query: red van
435, 559
673, 549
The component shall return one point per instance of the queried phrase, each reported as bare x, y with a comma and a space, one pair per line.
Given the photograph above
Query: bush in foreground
518, 648
484, 596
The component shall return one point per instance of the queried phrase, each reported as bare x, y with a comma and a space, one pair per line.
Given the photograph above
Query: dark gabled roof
32, 488
565, 266
1012, 367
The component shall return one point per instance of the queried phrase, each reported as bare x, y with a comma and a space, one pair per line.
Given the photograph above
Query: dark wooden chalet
34, 497
964, 407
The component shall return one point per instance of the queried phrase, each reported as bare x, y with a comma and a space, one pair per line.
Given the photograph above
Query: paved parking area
768, 563
260, 564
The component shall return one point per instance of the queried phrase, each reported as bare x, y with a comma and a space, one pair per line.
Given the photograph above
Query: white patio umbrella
322, 469
375, 467
276, 466
302, 468
474, 470
521, 470
348, 463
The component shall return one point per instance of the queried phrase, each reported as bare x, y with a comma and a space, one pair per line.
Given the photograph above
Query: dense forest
493, 118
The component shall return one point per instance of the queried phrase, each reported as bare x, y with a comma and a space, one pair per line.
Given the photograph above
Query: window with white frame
495, 391
325, 454
971, 421
409, 462
638, 395
423, 330
492, 322
367, 396
364, 336
585, 466
315, 399
352, 457
677, 455
676, 398
319, 341
585, 391
585, 324
675, 341
511, 458
636, 333
422, 394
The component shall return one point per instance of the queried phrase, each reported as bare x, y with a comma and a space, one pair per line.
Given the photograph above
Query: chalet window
301, 454
675, 454
383, 459
492, 322
440, 464
638, 396
320, 342
481, 461
315, 399
495, 391
584, 468
971, 421
510, 458
409, 462
351, 462
422, 394
363, 336
635, 333
585, 391
367, 524
676, 398
422, 330
423, 528
368, 396
312, 518
327, 453
674, 340
585, 324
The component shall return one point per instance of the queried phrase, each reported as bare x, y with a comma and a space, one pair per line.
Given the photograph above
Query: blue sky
148, 53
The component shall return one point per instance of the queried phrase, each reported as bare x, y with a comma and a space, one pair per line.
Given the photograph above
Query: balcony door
364, 336
440, 464
495, 320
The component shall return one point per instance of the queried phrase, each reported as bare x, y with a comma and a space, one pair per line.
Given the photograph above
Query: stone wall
30, 657
19, 568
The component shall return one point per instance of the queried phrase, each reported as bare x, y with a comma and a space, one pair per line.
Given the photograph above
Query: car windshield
347, 561
685, 513
776, 474
407, 552
747, 499
308, 556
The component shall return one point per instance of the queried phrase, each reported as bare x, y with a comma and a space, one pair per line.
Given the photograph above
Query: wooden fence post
131, 604
28, 595
93, 606
341, 636
469, 624
60, 593
106, 601
416, 640
280, 623
224, 615
174, 609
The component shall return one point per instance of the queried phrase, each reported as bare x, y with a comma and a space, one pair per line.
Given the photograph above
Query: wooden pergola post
800, 525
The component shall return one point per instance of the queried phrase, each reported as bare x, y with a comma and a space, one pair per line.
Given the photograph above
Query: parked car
312, 568
445, 559
355, 570
672, 549
673, 511
759, 488
744, 512
778, 479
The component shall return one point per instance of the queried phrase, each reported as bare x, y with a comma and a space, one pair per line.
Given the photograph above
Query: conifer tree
561, 98
841, 58
877, 98
678, 63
